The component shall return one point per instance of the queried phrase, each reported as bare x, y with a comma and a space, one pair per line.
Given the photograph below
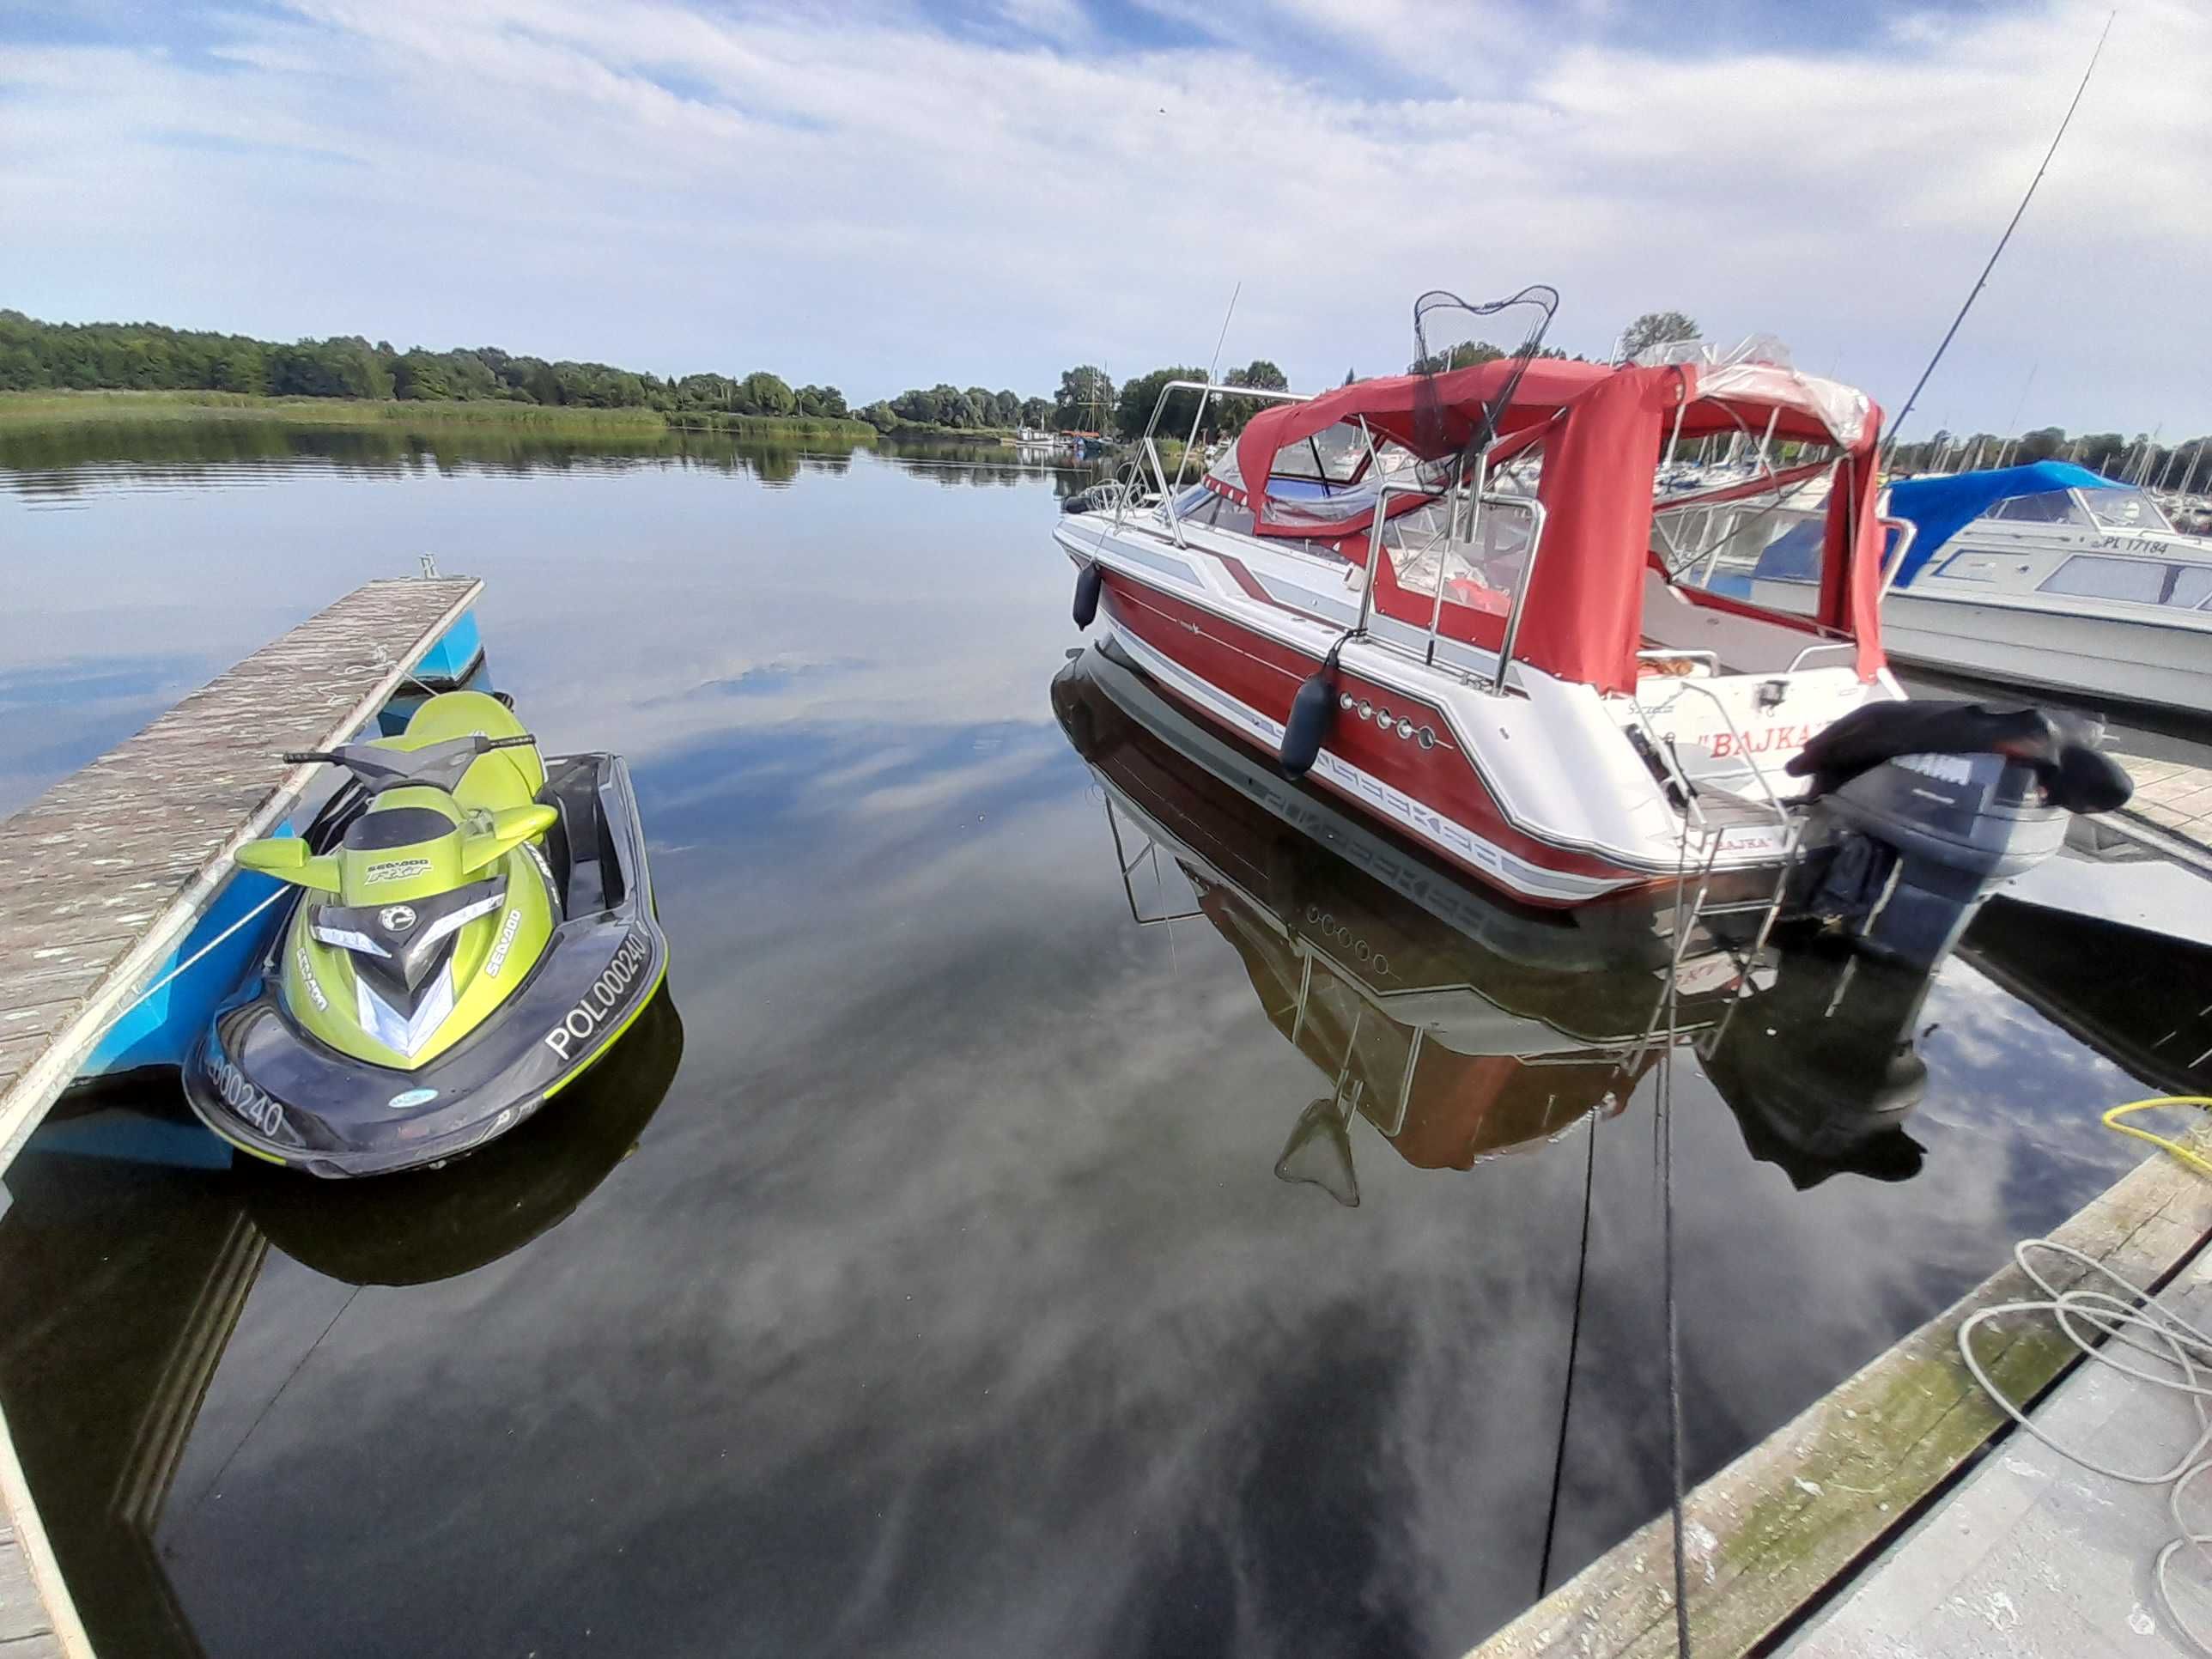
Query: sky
883, 193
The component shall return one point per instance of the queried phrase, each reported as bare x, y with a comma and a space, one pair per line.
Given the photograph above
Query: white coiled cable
2178, 1343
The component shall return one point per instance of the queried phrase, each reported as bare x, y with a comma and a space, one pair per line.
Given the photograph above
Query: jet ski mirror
287, 858
273, 857
510, 828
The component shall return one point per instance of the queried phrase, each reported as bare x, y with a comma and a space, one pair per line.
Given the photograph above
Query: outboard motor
1923, 808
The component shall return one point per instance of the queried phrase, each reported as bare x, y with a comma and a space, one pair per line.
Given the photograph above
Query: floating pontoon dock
103, 876
2031, 1554
1793, 1522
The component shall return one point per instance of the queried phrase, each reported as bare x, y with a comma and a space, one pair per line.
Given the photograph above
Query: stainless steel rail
1376, 551
1905, 531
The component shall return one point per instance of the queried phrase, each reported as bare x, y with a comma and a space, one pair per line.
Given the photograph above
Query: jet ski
474, 928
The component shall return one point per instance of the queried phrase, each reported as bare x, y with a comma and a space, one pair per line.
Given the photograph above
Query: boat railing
1904, 530
1207, 391
1149, 853
1443, 544
1736, 738
1798, 661
1708, 838
1150, 451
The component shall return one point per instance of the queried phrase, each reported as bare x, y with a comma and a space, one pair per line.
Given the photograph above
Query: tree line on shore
41, 356
2185, 466
37, 356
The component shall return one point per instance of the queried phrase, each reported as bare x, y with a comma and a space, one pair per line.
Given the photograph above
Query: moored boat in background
2064, 582
2043, 576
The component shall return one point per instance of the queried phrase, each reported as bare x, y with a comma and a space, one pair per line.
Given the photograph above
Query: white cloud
863, 196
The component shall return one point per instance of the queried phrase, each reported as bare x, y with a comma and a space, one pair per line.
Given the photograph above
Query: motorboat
1459, 1026
2044, 576
1448, 599
2066, 583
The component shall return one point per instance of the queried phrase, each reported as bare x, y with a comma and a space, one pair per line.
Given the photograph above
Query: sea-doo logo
606, 994
497, 959
396, 918
406, 1097
310, 983
397, 870
242, 1097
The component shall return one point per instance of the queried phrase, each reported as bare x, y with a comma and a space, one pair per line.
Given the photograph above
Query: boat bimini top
1582, 439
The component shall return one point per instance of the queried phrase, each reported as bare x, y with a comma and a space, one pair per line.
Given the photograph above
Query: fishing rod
1890, 442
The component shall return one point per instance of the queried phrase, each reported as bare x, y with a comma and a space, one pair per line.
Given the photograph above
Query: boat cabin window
1761, 557
1479, 560
1319, 466
1191, 500
1219, 512
2139, 581
1754, 550
2124, 509
2094, 576
2051, 506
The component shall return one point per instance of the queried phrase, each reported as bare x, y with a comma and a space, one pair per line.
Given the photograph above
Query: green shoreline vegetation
73, 374
62, 376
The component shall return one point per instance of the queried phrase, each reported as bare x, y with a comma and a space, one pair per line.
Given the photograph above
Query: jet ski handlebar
439, 764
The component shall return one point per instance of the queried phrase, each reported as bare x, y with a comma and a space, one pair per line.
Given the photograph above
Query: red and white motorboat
1447, 598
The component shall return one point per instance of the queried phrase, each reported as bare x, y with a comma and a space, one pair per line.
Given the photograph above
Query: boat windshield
2124, 509
1324, 481
2046, 506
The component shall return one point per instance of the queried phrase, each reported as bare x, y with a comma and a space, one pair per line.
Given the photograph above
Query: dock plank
1772, 1532
2032, 1551
103, 876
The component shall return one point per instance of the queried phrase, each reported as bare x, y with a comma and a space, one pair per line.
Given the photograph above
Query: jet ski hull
272, 1090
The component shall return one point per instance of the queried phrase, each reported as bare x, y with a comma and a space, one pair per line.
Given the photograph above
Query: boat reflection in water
1460, 1026
180, 1248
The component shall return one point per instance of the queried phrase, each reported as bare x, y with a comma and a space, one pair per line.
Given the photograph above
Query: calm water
919, 1279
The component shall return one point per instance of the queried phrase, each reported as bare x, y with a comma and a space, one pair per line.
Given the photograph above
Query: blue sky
884, 193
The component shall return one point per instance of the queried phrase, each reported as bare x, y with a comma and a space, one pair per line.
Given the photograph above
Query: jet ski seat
505, 777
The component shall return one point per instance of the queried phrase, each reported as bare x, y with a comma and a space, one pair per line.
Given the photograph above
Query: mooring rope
195, 955
1663, 1129
2110, 1316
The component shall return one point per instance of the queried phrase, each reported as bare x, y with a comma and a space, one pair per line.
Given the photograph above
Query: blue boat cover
1939, 508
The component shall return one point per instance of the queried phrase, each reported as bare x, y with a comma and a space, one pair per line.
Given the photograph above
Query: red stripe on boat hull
1264, 676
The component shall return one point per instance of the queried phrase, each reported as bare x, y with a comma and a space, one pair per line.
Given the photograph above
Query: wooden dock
1774, 1534
2032, 1554
2172, 811
103, 876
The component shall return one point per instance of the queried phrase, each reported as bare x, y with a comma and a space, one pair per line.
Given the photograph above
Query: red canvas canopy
1603, 429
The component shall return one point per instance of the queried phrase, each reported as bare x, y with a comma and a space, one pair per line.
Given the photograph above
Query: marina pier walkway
104, 874
1788, 1529
2172, 811
2032, 1554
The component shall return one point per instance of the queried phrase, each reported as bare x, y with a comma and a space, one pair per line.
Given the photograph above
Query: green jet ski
474, 926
